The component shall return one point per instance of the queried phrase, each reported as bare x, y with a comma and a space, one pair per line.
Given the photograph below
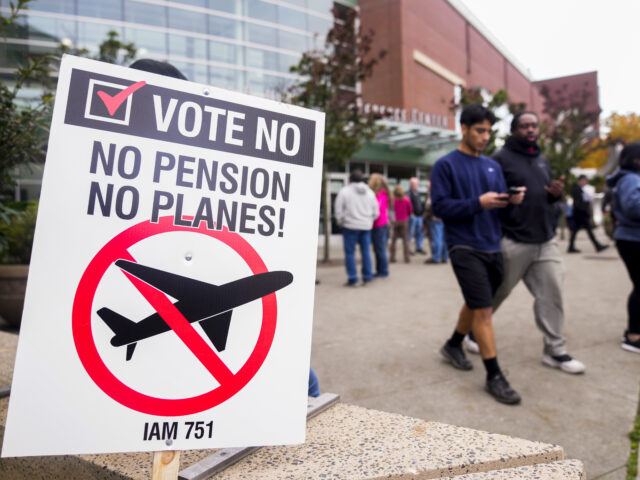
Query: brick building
435, 47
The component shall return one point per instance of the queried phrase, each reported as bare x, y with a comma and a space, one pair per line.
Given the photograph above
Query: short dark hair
516, 118
582, 176
628, 156
356, 176
476, 113
161, 68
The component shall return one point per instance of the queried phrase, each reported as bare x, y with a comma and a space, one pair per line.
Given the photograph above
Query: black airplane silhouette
209, 304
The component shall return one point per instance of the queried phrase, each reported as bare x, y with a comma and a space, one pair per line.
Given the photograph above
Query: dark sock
471, 337
491, 364
456, 339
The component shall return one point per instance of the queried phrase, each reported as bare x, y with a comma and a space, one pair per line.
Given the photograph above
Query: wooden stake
166, 465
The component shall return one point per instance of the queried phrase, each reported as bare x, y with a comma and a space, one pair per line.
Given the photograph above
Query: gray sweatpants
541, 268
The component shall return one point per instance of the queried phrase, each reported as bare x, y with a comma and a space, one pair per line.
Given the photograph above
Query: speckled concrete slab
345, 442
563, 470
349, 442
8, 344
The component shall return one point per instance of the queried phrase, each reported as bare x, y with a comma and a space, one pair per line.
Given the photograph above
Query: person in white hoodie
356, 208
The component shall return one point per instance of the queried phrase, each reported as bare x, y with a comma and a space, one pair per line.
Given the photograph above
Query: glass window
262, 35
266, 85
224, 27
223, 52
93, 34
322, 6
201, 74
262, 59
58, 6
229, 6
286, 61
262, 10
197, 3
111, 9
18, 29
146, 41
51, 29
189, 47
194, 72
319, 25
225, 78
255, 83
293, 41
12, 56
187, 69
187, 20
292, 18
145, 13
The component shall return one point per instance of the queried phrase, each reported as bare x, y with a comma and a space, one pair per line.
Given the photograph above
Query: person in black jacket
582, 215
529, 248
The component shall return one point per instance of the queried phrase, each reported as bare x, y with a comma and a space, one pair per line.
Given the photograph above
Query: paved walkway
377, 346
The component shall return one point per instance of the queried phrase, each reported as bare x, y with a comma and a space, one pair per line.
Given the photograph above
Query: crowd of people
374, 216
495, 219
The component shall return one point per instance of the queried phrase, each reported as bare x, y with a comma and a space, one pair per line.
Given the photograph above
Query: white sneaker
565, 363
470, 345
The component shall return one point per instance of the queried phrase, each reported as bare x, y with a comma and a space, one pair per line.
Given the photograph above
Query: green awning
409, 144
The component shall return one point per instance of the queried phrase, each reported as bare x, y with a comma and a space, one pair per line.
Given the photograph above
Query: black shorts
479, 275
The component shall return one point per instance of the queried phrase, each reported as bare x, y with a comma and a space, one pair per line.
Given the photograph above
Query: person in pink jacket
380, 231
402, 208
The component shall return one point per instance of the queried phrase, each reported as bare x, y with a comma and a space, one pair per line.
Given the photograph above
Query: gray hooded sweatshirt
356, 207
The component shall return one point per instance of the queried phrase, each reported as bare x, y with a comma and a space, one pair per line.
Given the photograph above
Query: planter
13, 283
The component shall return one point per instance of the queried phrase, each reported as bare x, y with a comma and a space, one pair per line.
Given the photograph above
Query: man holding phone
529, 249
467, 191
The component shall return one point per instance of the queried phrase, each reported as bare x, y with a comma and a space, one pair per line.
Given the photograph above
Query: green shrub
17, 224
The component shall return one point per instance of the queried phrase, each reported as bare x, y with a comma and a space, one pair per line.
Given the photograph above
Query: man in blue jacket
467, 190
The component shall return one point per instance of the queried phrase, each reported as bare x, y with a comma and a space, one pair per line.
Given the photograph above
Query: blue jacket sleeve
629, 196
444, 204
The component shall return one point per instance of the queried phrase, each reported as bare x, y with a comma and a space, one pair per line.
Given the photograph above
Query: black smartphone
513, 190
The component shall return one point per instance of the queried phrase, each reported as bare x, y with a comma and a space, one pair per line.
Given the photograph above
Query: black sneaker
600, 248
629, 345
499, 388
573, 250
456, 357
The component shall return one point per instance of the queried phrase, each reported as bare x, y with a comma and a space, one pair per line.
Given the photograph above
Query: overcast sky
563, 37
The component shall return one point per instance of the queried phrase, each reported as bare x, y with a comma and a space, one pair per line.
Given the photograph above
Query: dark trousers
630, 253
575, 231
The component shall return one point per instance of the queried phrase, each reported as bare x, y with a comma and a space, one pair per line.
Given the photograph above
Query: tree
622, 129
472, 95
568, 127
330, 83
24, 129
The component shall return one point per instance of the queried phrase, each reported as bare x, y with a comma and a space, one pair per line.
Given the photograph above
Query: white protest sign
170, 296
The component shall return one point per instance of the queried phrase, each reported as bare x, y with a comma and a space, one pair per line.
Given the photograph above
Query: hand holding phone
516, 194
513, 190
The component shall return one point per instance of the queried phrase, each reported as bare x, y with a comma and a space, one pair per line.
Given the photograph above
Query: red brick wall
385, 87
573, 85
436, 29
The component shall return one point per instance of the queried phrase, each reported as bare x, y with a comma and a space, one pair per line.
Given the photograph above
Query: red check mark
113, 103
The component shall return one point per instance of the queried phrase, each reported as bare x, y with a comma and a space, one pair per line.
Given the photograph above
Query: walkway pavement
377, 346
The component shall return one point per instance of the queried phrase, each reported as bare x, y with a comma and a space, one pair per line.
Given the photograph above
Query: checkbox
96, 109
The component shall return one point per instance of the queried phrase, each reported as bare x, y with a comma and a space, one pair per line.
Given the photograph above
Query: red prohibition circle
116, 249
